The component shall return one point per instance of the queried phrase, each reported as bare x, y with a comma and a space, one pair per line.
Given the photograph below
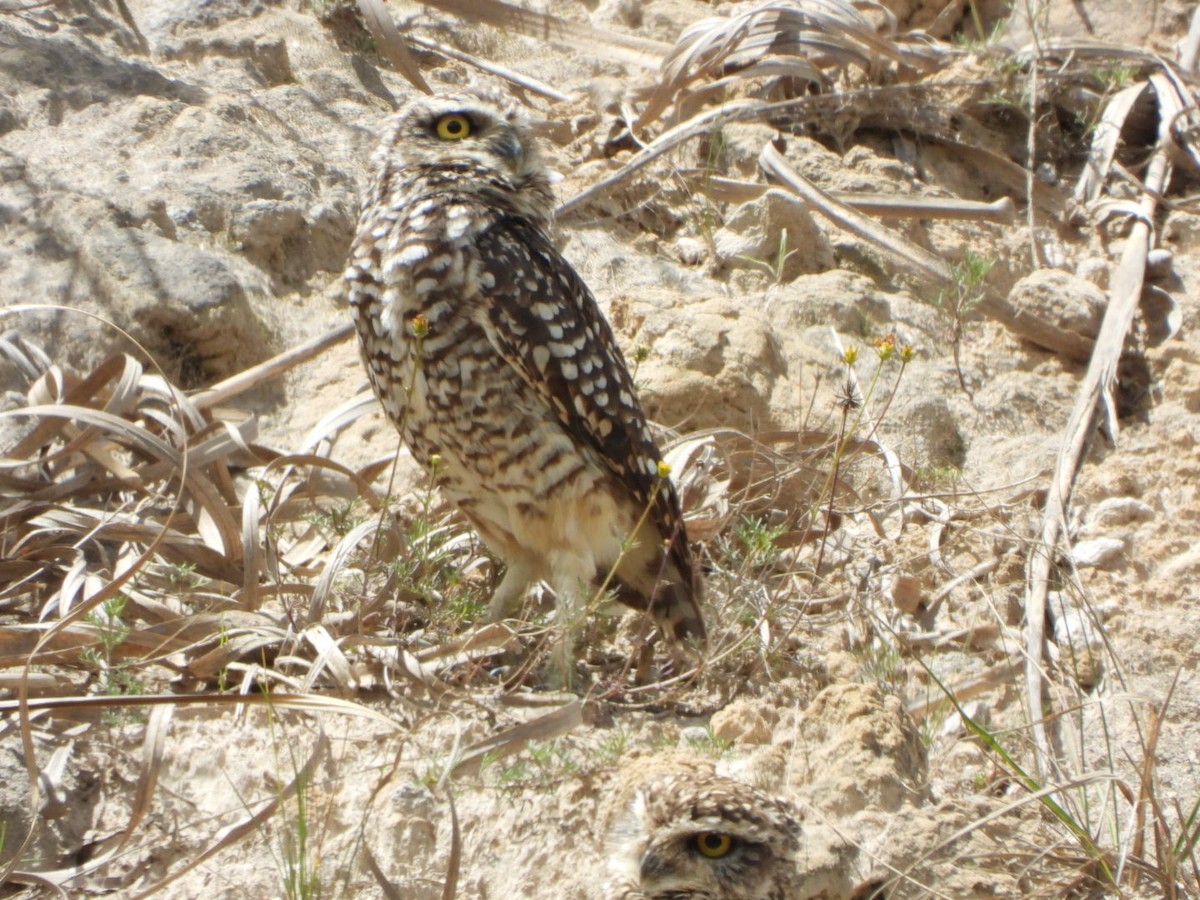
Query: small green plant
613, 747
711, 744
714, 152
957, 302
775, 267
981, 39
433, 773
298, 853
117, 679
641, 353
541, 764
938, 478
1114, 75
183, 577
882, 665
1007, 84
852, 405
553, 759
756, 541
338, 520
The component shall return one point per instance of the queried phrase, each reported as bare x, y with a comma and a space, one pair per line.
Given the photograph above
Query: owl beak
509, 147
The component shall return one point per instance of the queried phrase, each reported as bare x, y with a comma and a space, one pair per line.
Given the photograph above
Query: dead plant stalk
1096, 388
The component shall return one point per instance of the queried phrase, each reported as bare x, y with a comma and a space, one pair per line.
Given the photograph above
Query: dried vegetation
154, 555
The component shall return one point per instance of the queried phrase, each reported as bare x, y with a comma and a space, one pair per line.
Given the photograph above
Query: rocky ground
180, 184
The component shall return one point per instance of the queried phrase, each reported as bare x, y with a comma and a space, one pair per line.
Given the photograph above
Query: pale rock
740, 144
1159, 263
718, 365
1185, 565
1098, 553
905, 593
976, 710
861, 751
694, 735
1062, 299
1078, 639
1113, 512
744, 721
845, 301
689, 250
754, 238
1096, 270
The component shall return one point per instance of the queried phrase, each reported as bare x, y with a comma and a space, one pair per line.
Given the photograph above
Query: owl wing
544, 320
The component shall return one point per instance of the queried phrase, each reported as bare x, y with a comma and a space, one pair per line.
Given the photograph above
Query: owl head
705, 839
474, 139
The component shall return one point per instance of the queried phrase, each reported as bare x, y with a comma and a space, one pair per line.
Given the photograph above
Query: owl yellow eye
453, 127
713, 844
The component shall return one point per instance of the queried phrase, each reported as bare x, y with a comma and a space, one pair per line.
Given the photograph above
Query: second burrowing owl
489, 353
691, 835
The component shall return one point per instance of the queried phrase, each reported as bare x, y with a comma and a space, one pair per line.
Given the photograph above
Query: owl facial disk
461, 131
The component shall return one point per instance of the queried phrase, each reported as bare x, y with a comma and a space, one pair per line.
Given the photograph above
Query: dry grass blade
1044, 794
1094, 396
923, 262
390, 43
390, 891
108, 848
794, 38
28, 358
329, 655
271, 368
733, 190
520, 79
513, 740
234, 833
1105, 139
311, 703
454, 859
215, 522
341, 416
1000, 675
664, 143
379, 531
596, 42
33, 879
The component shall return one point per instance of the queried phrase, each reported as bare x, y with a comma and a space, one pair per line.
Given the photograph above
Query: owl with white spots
489, 352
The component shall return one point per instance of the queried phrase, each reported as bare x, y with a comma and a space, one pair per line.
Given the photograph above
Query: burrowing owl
690, 835
489, 353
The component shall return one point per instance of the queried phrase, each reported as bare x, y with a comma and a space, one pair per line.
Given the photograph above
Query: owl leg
506, 599
572, 589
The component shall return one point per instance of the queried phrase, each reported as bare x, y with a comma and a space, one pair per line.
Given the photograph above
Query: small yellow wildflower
850, 355
663, 469
907, 352
885, 346
419, 326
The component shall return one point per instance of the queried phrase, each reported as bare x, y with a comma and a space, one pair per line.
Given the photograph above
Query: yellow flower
664, 469
885, 346
850, 355
907, 353
419, 326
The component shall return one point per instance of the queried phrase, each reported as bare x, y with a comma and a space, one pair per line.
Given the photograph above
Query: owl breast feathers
487, 350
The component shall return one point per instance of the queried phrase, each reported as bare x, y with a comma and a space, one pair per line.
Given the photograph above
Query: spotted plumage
487, 350
692, 835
